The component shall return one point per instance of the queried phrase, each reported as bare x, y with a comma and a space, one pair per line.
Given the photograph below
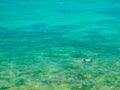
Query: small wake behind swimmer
88, 60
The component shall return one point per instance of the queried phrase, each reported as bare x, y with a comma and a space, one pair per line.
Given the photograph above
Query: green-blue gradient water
43, 44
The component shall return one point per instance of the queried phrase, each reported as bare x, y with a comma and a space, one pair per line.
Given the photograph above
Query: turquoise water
43, 44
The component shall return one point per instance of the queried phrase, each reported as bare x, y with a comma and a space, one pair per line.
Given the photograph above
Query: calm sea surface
43, 44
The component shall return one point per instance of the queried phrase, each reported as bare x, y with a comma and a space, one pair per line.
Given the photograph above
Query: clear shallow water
42, 44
